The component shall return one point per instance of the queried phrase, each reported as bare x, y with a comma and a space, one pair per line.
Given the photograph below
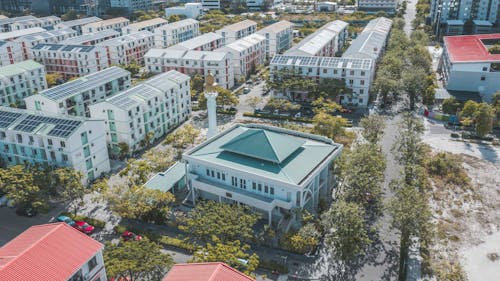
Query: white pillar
212, 113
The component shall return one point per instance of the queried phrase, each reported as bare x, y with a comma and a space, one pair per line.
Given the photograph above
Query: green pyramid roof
264, 145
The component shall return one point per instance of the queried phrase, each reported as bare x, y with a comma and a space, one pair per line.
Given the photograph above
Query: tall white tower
212, 113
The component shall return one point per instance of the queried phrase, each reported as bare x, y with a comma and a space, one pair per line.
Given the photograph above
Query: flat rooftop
244, 24
198, 41
276, 27
94, 36
78, 22
125, 39
472, 48
147, 23
108, 22
18, 68
19, 33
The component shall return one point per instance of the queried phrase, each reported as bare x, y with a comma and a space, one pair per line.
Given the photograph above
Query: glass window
272, 191
92, 263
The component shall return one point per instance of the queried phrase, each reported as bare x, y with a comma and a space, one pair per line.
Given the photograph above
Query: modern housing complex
390, 6
210, 4
74, 97
11, 35
71, 60
233, 32
205, 42
279, 37
35, 137
132, 5
176, 32
54, 251
128, 48
77, 24
145, 112
271, 170
45, 22
468, 66
46, 37
21, 80
248, 53
6, 23
219, 64
147, 25
92, 38
10, 52
189, 10
115, 23
371, 42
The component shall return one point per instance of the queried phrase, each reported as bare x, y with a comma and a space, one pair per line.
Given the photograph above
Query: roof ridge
276, 156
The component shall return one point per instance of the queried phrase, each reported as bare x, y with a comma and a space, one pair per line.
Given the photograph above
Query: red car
346, 110
128, 235
83, 227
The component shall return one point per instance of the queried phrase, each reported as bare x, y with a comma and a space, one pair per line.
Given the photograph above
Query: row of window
241, 183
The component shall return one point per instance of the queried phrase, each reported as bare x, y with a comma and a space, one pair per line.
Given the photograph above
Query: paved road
411, 11
255, 91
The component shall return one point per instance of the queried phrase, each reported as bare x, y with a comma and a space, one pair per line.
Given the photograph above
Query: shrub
177, 243
273, 266
448, 167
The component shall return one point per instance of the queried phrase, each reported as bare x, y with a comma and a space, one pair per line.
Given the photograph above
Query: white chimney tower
212, 113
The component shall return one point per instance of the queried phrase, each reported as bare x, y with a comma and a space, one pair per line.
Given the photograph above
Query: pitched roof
210, 271
46, 252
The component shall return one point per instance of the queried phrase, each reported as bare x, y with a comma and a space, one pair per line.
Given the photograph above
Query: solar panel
7, 118
62, 127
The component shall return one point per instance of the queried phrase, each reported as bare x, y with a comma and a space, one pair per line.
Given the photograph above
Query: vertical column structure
212, 113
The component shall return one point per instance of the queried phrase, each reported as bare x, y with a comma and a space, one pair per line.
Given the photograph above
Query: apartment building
176, 32
91, 39
357, 73
371, 42
44, 22
115, 23
71, 60
12, 35
128, 48
132, 5
147, 25
77, 24
390, 6
189, 10
208, 271
468, 66
210, 4
27, 42
21, 80
205, 42
6, 23
248, 53
327, 41
279, 37
271, 170
35, 137
74, 97
10, 53
236, 31
219, 64
54, 251
147, 111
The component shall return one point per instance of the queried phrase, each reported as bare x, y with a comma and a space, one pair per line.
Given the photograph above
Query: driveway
255, 91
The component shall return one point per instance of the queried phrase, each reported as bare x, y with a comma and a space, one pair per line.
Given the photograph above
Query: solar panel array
95, 36
7, 118
330, 62
62, 127
64, 48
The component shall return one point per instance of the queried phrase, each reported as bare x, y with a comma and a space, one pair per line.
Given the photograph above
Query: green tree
227, 222
69, 15
231, 253
18, 184
70, 187
282, 104
325, 105
186, 135
330, 88
373, 128
495, 49
254, 101
173, 18
53, 79
226, 98
429, 96
197, 83
305, 240
484, 119
133, 67
346, 230
469, 110
329, 126
124, 149
451, 106
414, 83
136, 260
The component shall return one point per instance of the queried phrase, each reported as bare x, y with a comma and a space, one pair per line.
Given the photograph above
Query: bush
273, 266
277, 117
177, 243
448, 167
95, 222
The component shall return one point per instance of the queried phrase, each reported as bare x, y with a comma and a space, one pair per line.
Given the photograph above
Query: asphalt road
411, 11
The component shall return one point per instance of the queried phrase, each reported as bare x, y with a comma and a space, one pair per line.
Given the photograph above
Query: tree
225, 97
331, 88
147, 139
53, 79
329, 126
133, 67
173, 18
136, 260
227, 222
414, 83
469, 110
197, 83
69, 15
419, 37
254, 101
484, 119
346, 230
231, 253
373, 128
325, 105
429, 96
18, 184
451, 106
182, 137
495, 49
70, 187
124, 149
282, 104
305, 239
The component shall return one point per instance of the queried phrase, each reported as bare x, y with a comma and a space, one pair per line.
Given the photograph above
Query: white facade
211, 4
10, 53
176, 32
115, 23
6, 23
371, 42
71, 60
51, 36
91, 39
326, 6
77, 24
151, 109
190, 10
219, 64
248, 53
11, 35
21, 80
236, 31
279, 37
129, 48
147, 25
74, 97
205, 42
444, 10
36, 137
377, 5
45, 22
132, 5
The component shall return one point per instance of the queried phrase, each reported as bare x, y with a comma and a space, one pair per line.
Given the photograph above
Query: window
213, 174
254, 186
485, 68
218, 175
223, 176
266, 189
259, 187
272, 190
92, 263
483, 78
208, 172
63, 144
243, 184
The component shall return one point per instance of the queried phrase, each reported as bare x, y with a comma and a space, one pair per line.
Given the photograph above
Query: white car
3, 201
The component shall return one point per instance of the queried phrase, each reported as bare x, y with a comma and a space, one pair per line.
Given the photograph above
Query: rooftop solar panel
7, 118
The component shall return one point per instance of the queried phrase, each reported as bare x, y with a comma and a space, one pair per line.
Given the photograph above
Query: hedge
177, 243
119, 229
228, 112
95, 222
277, 117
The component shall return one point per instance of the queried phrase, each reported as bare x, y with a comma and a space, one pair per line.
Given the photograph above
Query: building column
270, 216
193, 191
220, 199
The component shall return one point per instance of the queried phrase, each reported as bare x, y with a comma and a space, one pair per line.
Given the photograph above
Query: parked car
3, 201
83, 227
246, 90
129, 235
27, 212
66, 219
346, 110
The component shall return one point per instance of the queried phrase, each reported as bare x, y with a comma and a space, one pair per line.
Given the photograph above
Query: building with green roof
270, 169
21, 80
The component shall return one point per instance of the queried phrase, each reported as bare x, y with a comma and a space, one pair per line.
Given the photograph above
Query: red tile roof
470, 48
47, 252
210, 271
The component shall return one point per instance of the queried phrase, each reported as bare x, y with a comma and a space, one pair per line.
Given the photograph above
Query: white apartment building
378, 5
219, 64
21, 80
279, 37
324, 42
74, 97
357, 73
326, 6
271, 170
77, 24
10, 53
371, 42
115, 23
91, 39
467, 66
6, 23
147, 25
210, 4
443, 11
248, 53
71, 60
205, 42
176, 32
12, 35
46, 37
37, 137
128, 48
189, 10
132, 5
236, 31
45, 22
152, 108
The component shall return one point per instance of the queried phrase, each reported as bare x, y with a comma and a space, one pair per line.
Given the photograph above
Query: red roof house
210, 271
471, 48
48, 252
